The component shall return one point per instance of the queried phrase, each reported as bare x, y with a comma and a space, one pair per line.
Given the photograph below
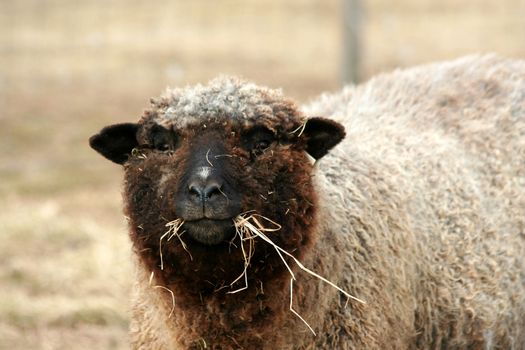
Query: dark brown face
207, 175
204, 193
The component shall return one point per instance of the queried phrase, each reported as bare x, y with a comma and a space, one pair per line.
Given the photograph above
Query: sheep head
207, 154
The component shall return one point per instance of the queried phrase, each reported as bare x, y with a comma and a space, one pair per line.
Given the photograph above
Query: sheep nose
205, 190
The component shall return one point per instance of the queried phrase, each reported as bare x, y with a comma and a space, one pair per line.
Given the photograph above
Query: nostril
196, 190
212, 189
205, 191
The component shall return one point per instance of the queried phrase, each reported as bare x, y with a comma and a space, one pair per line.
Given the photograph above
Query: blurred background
68, 68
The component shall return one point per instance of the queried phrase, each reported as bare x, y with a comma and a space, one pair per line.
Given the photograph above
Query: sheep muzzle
209, 231
206, 199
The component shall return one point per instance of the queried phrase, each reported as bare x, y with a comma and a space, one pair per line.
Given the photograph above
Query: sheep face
206, 173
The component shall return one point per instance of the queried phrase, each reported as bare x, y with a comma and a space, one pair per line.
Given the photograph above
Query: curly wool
428, 191
421, 214
223, 97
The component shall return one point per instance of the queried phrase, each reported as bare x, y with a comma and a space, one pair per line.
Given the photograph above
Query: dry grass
173, 231
248, 227
63, 276
69, 68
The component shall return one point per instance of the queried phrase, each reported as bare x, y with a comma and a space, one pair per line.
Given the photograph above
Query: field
69, 68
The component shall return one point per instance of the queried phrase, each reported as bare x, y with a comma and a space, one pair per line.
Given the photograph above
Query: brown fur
282, 178
419, 211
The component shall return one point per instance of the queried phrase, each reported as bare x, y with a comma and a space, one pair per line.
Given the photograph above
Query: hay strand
136, 152
208, 158
250, 226
172, 298
243, 235
300, 129
174, 227
295, 312
152, 274
173, 230
160, 250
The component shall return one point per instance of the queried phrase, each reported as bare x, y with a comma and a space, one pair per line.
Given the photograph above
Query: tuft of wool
223, 97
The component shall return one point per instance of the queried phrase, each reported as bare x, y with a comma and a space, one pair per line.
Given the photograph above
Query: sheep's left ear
322, 135
115, 142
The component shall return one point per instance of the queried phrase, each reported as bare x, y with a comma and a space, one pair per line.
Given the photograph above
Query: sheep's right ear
115, 142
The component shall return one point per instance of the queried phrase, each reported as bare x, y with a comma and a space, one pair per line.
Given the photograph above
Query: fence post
351, 41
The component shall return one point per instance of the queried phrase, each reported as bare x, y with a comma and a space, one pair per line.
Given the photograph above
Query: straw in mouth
248, 226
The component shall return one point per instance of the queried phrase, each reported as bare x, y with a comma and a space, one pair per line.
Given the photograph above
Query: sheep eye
258, 139
162, 139
162, 147
262, 145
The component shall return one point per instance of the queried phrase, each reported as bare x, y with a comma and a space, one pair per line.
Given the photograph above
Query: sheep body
420, 213
429, 184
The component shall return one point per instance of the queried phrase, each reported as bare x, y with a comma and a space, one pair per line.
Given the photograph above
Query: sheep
407, 192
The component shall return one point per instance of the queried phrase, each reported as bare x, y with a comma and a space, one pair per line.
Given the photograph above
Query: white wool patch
166, 174
204, 171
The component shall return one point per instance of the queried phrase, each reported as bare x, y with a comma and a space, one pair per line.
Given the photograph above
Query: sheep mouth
210, 231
